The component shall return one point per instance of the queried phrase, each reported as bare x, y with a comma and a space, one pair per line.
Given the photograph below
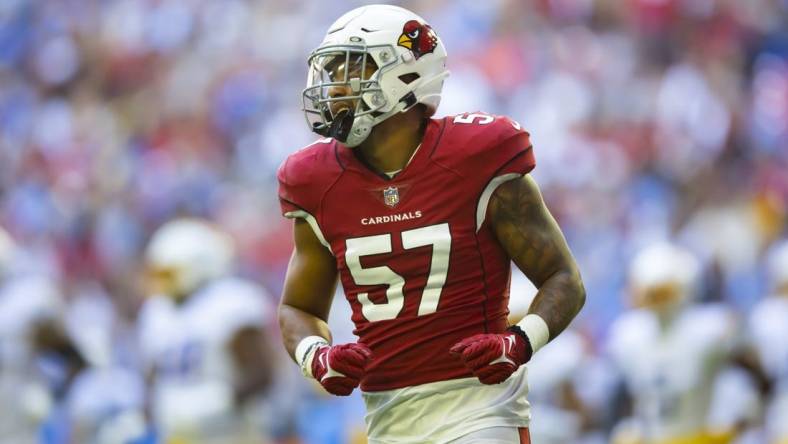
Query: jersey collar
349, 161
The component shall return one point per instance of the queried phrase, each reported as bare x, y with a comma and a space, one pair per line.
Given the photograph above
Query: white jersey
187, 347
24, 301
768, 329
553, 366
105, 405
24, 397
670, 370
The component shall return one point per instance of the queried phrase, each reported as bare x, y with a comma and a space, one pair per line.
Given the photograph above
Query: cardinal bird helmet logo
418, 37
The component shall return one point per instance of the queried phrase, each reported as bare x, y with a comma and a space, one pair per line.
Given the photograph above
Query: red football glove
339, 369
493, 357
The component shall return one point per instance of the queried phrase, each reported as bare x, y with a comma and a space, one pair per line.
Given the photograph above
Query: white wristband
536, 329
305, 352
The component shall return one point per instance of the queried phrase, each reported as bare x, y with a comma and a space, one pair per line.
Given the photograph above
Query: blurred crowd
652, 121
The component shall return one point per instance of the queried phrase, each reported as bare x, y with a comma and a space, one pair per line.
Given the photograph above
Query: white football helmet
384, 59
184, 254
663, 276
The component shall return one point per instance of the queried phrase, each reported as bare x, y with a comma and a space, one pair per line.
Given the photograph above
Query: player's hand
339, 369
493, 357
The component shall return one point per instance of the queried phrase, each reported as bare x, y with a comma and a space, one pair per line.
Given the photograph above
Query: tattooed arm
531, 237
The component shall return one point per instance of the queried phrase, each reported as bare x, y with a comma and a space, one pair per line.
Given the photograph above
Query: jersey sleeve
25, 301
289, 201
304, 178
156, 321
515, 151
481, 147
234, 304
486, 151
508, 150
510, 158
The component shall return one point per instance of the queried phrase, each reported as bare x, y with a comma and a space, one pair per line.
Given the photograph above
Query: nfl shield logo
391, 196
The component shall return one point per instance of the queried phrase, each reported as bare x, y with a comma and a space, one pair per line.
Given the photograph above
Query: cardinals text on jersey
426, 272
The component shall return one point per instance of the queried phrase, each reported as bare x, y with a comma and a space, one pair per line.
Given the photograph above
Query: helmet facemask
343, 98
374, 62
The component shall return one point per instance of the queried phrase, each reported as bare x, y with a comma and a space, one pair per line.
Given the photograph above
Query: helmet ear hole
409, 78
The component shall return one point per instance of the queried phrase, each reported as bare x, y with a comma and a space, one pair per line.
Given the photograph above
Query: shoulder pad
235, 303
484, 146
305, 176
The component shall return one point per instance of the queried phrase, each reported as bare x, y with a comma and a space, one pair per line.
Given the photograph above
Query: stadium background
651, 119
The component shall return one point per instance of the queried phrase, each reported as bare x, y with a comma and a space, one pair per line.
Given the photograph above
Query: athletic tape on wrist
305, 352
536, 329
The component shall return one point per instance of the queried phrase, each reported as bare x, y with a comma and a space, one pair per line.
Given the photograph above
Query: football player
419, 218
204, 343
47, 375
768, 327
38, 361
669, 351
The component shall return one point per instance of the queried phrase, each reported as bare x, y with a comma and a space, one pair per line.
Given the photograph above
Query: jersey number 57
438, 236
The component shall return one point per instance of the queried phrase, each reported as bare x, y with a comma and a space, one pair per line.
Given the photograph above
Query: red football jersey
420, 266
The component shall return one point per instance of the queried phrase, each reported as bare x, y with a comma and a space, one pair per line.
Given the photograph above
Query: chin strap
339, 128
